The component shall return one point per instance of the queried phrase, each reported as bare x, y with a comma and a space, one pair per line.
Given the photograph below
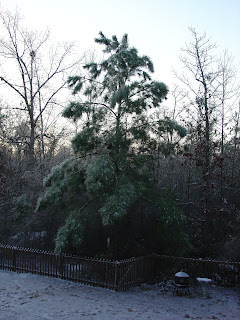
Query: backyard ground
32, 297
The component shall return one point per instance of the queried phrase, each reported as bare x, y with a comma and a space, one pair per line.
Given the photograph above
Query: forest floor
32, 297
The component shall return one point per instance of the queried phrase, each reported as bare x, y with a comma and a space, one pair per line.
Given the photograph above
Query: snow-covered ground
32, 297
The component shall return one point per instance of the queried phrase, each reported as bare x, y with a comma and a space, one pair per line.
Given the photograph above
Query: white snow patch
204, 280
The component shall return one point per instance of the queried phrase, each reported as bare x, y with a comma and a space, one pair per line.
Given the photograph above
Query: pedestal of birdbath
204, 283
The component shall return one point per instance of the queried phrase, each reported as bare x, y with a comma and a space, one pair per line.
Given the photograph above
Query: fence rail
221, 272
115, 275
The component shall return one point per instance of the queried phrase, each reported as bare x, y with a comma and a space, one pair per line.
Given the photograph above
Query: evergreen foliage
23, 208
111, 170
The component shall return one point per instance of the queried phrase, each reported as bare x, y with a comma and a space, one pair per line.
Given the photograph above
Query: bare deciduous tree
34, 71
201, 64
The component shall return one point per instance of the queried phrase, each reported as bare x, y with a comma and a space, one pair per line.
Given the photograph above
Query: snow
204, 280
182, 275
33, 297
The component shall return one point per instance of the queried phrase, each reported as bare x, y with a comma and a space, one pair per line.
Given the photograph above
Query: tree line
149, 169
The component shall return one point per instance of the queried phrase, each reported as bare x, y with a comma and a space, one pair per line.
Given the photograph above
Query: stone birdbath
204, 283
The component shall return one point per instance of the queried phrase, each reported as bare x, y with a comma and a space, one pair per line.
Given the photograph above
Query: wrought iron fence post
60, 256
238, 273
115, 287
1, 257
14, 259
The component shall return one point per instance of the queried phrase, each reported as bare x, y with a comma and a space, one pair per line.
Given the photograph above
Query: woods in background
142, 174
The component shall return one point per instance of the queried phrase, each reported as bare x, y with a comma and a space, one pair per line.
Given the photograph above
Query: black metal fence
116, 275
225, 273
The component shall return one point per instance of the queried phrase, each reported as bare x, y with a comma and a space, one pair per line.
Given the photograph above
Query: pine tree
110, 170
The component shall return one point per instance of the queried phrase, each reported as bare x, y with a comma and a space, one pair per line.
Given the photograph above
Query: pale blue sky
157, 28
